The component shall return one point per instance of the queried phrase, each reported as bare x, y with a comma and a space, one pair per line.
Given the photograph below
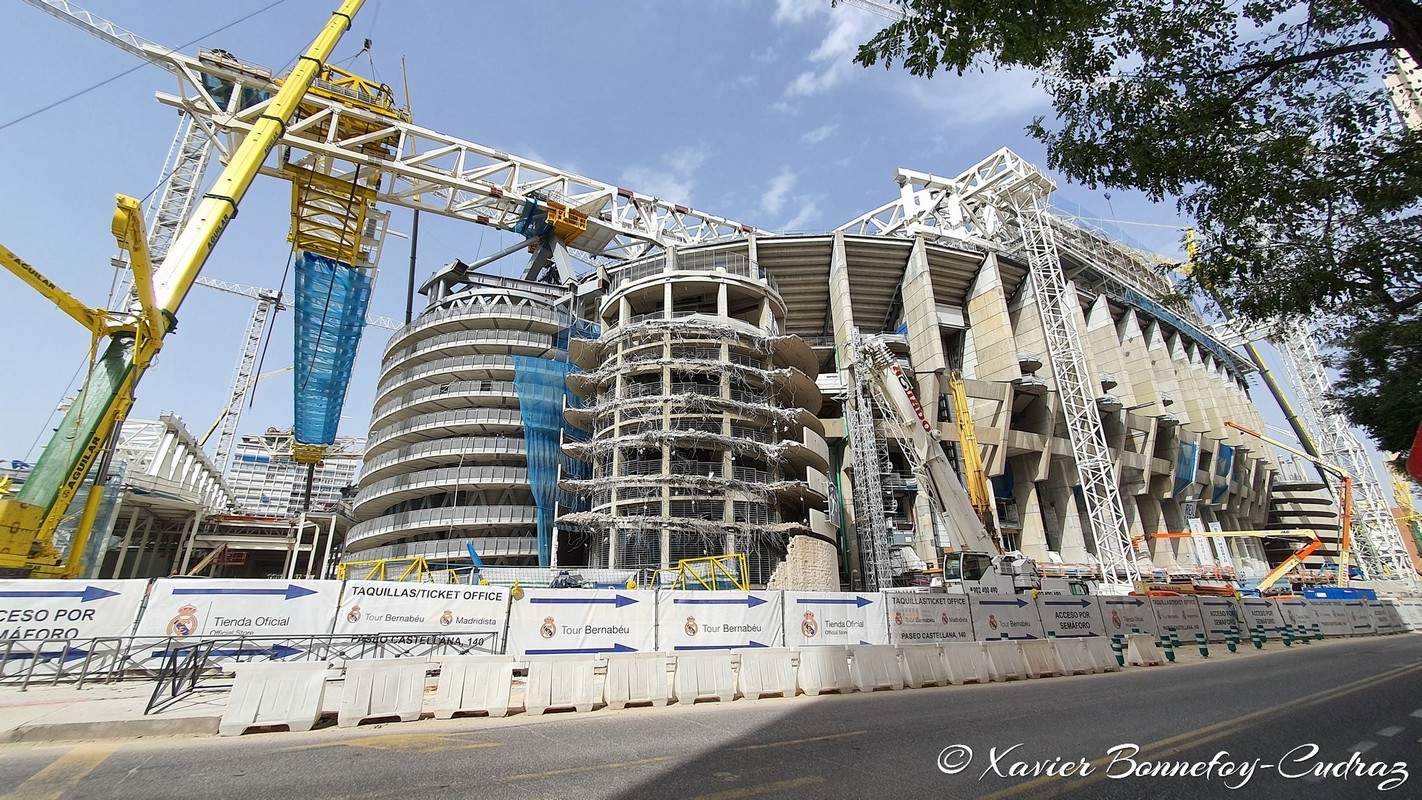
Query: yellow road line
528, 776
825, 738
62, 774
1052, 786
764, 788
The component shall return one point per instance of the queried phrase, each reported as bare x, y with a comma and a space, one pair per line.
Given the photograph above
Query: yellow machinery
976, 477
414, 568
29, 520
1294, 560
709, 573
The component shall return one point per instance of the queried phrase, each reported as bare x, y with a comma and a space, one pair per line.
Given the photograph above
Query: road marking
1047, 787
764, 788
528, 776
403, 743
787, 742
1417, 713
1362, 747
1391, 730
62, 774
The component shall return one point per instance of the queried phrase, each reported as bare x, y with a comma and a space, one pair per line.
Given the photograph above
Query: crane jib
912, 398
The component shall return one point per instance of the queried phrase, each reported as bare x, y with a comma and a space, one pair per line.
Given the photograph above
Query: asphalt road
1351, 710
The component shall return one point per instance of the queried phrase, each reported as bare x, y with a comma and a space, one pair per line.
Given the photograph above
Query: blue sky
750, 110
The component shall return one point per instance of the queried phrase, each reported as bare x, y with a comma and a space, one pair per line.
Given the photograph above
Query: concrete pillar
123, 548
142, 546
188, 540
992, 345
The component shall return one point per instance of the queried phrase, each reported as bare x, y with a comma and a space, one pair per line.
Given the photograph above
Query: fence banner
391, 610
836, 618
1360, 618
1180, 613
1122, 616
1222, 615
1013, 615
1296, 612
53, 609
1263, 616
547, 622
1070, 616
917, 618
691, 621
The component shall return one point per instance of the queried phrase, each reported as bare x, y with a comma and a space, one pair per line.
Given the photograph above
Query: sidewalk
115, 710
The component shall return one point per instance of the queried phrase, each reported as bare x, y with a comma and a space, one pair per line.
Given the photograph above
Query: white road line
1417, 713
1391, 730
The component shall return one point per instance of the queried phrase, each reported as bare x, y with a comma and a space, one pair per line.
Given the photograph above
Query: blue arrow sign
717, 646
291, 592
619, 601
1018, 602
68, 655
1075, 635
274, 651
1077, 603
616, 648
1216, 603
1127, 601
87, 594
1014, 638
749, 601
856, 601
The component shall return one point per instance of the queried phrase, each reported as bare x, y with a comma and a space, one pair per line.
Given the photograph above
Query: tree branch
1317, 55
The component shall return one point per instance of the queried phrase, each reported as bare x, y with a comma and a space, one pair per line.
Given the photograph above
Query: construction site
958, 386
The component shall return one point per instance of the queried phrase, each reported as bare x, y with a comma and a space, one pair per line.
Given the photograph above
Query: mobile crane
29, 520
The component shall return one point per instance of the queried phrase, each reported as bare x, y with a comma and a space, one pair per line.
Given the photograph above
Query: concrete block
1142, 652
875, 666
823, 669
923, 664
382, 687
764, 671
635, 678
561, 682
1005, 660
469, 684
1040, 658
275, 693
1102, 657
703, 676
966, 662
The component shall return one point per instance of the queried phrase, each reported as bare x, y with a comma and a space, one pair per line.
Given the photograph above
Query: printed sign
411, 613
1013, 615
1070, 616
1222, 616
552, 622
835, 618
197, 609
69, 609
1180, 613
1122, 616
1332, 617
1360, 618
1263, 617
1295, 613
693, 621
921, 618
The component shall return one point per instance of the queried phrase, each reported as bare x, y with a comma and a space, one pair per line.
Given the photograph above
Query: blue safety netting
541, 385
1224, 466
1187, 458
574, 328
331, 299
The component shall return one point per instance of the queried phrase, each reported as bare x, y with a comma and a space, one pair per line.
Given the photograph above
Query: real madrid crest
185, 623
992, 621
353, 616
1115, 618
548, 628
447, 618
808, 626
691, 627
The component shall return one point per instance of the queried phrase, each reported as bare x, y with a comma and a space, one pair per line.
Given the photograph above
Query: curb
115, 729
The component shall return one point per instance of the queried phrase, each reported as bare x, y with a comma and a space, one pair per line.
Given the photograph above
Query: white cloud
774, 198
765, 56
819, 134
672, 180
782, 107
796, 11
809, 212
975, 98
835, 53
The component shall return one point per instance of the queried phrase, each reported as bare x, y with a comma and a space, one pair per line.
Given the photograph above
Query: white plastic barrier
635, 678
470, 684
560, 682
1074, 656
1263, 617
1142, 652
1070, 616
557, 622
1222, 616
1040, 659
1102, 656
764, 671
1360, 618
875, 667
1005, 660
1180, 613
1129, 614
1014, 615
966, 662
275, 693
835, 618
923, 664
701, 676
1412, 614
695, 621
382, 687
920, 618
823, 669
